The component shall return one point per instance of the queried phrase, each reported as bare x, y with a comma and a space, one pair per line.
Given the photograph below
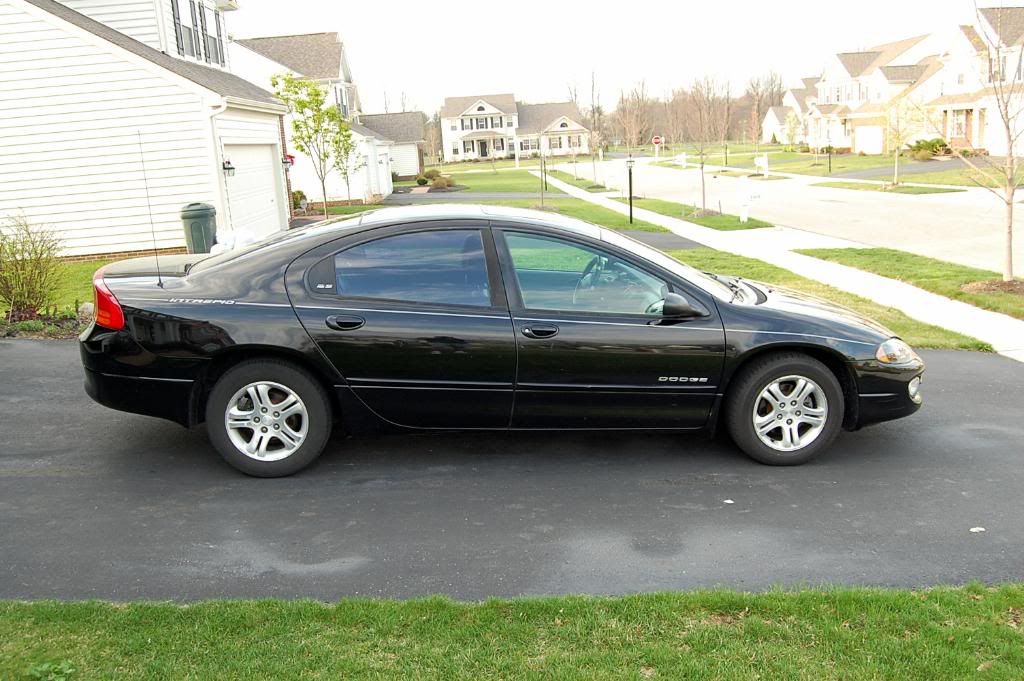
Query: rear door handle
540, 331
345, 322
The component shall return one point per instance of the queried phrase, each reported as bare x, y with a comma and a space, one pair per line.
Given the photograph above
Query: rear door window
446, 267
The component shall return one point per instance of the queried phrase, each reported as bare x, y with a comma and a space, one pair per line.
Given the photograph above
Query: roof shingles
313, 55
402, 128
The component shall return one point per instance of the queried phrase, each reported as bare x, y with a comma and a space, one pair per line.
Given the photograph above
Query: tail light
109, 314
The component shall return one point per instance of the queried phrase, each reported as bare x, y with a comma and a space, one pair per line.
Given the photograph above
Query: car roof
457, 211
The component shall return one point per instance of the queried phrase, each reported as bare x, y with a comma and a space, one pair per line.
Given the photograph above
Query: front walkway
775, 245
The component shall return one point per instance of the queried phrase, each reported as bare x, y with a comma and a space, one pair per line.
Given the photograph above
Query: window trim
220, 38
692, 292
176, 20
206, 33
197, 44
498, 302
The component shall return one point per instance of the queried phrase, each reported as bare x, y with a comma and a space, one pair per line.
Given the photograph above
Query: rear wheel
785, 409
268, 418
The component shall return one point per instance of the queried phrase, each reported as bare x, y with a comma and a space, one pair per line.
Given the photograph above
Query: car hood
790, 302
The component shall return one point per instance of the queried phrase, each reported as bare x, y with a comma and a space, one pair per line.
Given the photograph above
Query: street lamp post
629, 168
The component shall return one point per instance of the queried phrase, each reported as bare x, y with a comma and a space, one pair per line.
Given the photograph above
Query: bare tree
704, 125
793, 128
595, 140
905, 122
432, 135
632, 115
763, 92
676, 110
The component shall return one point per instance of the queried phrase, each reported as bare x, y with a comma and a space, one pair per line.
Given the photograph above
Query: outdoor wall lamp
229, 170
287, 161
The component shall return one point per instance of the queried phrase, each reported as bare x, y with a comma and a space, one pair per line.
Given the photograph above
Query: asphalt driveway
97, 504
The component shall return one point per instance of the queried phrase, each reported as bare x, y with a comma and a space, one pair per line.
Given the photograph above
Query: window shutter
220, 39
177, 27
206, 34
195, 30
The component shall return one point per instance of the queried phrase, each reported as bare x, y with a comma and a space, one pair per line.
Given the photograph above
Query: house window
481, 124
960, 79
196, 35
564, 125
207, 38
463, 122
554, 143
454, 127
455, 149
960, 123
528, 145
480, 108
177, 27
467, 146
499, 144
220, 40
508, 122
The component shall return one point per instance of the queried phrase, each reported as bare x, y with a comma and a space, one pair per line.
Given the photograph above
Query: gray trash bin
200, 223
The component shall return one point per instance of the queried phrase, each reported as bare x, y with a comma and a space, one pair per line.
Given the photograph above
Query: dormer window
480, 108
563, 125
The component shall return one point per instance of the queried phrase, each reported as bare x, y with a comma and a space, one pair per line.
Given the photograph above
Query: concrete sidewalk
1005, 334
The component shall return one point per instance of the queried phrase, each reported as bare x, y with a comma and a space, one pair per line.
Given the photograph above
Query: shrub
28, 326
441, 182
861, 153
29, 268
394, 176
420, 180
298, 196
923, 155
934, 146
432, 174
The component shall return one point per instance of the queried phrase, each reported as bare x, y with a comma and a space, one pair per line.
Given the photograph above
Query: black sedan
479, 317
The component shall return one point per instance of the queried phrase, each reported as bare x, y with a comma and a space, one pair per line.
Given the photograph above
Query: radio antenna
149, 207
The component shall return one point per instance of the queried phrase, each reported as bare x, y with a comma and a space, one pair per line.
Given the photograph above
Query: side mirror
678, 307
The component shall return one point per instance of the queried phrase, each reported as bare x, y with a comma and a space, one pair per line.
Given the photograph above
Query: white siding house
320, 57
497, 126
407, 132
102, 133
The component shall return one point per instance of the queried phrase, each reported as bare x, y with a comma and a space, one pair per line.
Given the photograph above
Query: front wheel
268, 418
785, 409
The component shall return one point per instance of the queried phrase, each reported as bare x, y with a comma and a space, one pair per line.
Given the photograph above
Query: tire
293, 441
752, 390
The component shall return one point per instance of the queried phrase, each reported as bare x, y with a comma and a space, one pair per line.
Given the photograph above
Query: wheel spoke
812, 419
802, 390
775, 393
264, 432
766, 424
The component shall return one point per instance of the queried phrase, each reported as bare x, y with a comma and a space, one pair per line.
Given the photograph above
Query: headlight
895, 351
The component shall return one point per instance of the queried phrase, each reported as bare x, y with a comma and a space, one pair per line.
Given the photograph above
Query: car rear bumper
160, 397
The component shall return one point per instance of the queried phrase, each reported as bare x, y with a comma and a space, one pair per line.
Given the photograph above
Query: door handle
540, 331
344, 322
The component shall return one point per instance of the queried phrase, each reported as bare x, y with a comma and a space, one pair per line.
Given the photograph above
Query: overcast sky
537, 48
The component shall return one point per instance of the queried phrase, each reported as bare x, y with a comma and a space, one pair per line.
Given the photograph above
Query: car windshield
693, 275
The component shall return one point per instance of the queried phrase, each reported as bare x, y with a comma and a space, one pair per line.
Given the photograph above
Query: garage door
253, 191
868, 138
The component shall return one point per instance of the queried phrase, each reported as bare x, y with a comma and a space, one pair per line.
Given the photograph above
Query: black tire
746, 389
299, 381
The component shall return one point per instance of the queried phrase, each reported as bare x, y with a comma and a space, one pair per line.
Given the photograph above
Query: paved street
98, 504
965, 227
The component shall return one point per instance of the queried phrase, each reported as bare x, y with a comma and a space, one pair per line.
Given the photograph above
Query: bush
30, 270
923, 155
432, 174
298, 196
933, 146
441, 182
420, 180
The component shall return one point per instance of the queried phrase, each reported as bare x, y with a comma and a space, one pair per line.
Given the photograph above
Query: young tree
633, 115
704, 124
793, 127
347, 159
316, 125
905, 122
763, 92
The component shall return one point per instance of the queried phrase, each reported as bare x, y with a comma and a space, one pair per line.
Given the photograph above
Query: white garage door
253, 191
868, 138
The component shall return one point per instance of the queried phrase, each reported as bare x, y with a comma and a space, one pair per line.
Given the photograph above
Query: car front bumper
884, 391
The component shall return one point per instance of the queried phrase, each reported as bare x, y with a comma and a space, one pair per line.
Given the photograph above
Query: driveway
98, 504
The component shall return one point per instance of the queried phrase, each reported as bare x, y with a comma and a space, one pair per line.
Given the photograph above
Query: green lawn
898, 189
581, 182
964, 177
76, 285
724, 222
805, 164
502, 164
932, 275
583, 210
824, 635
914, 332
505, 181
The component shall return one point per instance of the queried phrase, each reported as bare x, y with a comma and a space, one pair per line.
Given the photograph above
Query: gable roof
401, 128
862, 63
215, 80
360, 129
858, 63
974, 38
781, 113
455, 106
534, 118
904, 74
811, 83
1007, 22
313, 55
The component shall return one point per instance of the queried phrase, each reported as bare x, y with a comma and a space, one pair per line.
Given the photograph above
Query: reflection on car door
593, 352
416, 323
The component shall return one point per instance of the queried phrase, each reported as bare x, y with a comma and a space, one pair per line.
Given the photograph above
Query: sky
539, 49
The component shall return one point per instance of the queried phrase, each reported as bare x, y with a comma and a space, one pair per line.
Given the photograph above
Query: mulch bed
43, 327
1015, 287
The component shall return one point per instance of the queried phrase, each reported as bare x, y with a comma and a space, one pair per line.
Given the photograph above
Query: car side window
554, 274
443, 266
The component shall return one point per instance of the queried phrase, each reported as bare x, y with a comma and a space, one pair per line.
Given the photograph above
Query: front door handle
345, 322
540, 331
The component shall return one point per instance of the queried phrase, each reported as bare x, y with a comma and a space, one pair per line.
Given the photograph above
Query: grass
914, 332
723, 222
508, 181
502, 164
849, 634
933, 275
887, 188
581, 182
964, 177
76, 284
584, 210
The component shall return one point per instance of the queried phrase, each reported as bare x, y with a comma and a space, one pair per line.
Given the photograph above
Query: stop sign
656, 140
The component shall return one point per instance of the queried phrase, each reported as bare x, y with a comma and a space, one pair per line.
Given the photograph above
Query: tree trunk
703, 191
896, 167
1011, 191
323, 192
